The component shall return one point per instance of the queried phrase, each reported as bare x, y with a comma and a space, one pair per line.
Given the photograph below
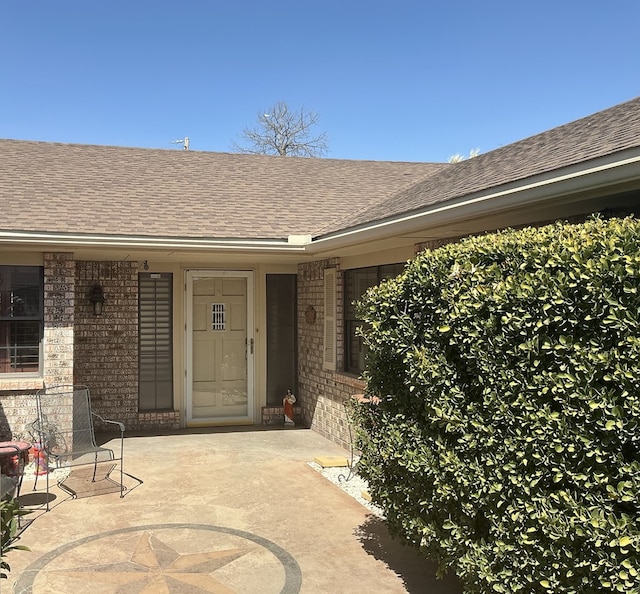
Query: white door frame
192, 275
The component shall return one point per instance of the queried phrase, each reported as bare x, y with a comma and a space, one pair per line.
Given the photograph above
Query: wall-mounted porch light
97, 298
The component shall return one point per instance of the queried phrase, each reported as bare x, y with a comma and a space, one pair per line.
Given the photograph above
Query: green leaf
521, 345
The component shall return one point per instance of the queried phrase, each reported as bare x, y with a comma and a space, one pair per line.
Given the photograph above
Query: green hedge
507, 441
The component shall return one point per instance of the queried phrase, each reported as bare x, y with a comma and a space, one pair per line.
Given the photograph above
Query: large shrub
506, 444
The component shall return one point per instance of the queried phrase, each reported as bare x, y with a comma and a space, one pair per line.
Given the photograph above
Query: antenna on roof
183, 141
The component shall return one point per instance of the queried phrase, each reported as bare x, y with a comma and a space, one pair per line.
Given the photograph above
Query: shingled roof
604, 133
116, 191
86, 189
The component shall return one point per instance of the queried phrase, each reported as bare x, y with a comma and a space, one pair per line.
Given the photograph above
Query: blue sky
396, 80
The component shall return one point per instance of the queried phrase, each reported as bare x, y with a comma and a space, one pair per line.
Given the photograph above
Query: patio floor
227, 510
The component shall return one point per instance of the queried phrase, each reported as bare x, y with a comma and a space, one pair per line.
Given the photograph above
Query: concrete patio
226, 510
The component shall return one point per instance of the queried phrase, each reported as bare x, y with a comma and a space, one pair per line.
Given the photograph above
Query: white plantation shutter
329, 353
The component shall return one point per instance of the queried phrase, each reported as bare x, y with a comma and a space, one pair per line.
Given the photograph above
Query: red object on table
9, 463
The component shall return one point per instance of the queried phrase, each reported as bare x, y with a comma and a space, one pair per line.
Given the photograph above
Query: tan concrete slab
218, 511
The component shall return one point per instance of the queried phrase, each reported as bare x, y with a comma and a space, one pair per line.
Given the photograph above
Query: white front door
220, 347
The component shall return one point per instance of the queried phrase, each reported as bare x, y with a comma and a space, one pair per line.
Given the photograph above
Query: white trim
126, 241
299, 239
190, 276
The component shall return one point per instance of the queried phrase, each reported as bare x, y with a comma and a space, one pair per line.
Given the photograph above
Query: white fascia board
168, 243
299, 239
529, 192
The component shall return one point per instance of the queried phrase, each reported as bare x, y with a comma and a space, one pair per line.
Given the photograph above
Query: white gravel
355, 486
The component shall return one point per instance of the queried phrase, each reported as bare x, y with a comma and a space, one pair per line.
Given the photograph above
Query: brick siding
107, 345
59, 318
322, 393
274, 415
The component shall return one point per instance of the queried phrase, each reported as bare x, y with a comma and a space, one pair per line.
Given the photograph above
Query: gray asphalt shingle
87, 189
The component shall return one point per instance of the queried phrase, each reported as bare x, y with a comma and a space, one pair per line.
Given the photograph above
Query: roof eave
542, 189
62, 240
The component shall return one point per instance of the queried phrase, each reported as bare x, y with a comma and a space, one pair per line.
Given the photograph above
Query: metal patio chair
64, 434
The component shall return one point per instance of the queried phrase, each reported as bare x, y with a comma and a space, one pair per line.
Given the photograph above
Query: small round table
14, 456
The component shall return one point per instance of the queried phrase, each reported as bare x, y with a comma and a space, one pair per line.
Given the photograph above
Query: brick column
59, 302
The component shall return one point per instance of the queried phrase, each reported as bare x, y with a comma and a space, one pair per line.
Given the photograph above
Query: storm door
220, 347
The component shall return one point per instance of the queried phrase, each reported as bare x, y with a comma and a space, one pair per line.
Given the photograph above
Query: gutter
534, 191
294, 243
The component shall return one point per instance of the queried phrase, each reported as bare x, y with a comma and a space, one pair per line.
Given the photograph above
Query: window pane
21, 319
390, 271
355, 347
356, 283
20, 292
19, 346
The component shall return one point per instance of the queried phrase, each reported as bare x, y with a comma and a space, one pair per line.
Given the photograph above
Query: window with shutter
329, 356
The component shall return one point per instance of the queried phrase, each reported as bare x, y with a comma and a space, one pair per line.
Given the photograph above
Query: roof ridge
212, 153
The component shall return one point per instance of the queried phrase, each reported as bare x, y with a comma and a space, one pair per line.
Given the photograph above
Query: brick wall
106, 358
274, 415
322, 393
59, 317
17, 411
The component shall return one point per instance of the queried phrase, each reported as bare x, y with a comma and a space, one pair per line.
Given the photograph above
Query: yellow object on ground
330, 461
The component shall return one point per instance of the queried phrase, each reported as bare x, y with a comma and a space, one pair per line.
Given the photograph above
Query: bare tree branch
458, 157
281, 131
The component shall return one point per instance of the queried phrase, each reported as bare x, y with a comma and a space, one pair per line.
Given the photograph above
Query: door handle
251, 343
